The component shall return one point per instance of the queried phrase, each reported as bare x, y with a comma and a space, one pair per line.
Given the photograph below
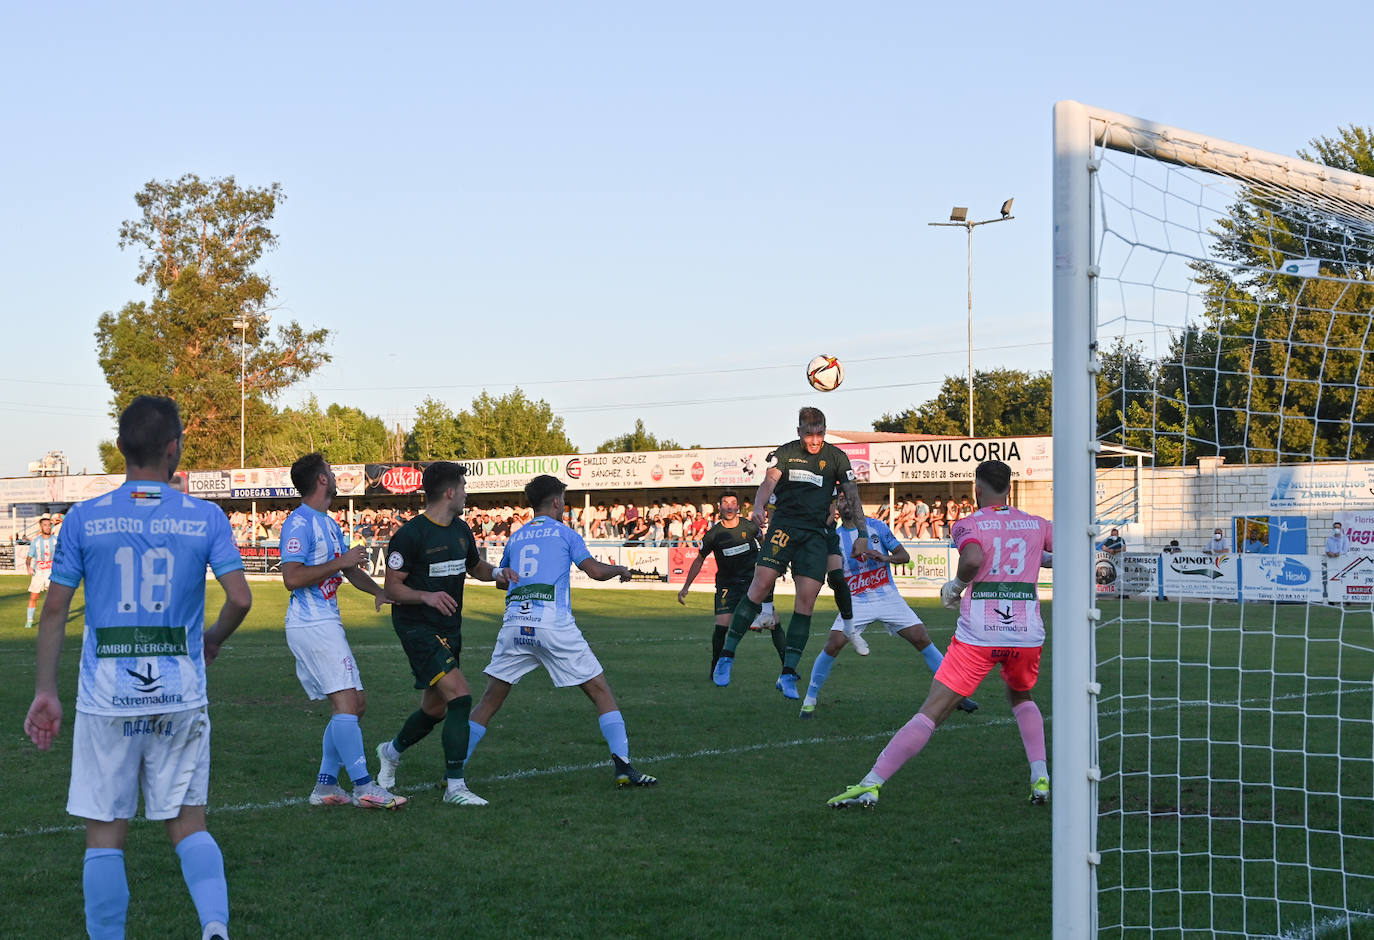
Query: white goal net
1213, 724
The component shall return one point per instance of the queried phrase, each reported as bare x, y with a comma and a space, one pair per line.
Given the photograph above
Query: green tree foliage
343, 434
434, 436
1277, 374
200, 243
508, 426
511, 425
638, 439
1006, 403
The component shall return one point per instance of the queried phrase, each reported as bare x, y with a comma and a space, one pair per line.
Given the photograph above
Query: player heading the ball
803, 476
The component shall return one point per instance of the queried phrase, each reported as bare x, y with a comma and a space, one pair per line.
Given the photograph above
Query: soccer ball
825, 373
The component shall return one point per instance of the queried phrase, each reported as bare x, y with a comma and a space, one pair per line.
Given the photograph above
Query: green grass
735, 840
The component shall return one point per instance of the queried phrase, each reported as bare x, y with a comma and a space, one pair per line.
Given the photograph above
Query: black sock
843, 599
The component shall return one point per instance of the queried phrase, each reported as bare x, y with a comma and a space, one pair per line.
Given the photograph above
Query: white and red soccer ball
825, 373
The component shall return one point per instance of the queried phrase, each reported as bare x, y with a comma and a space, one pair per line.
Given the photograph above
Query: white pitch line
532, 772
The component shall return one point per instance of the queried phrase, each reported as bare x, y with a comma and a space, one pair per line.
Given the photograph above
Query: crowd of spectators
913, 518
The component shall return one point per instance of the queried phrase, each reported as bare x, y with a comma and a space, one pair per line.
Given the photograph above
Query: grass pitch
735, 840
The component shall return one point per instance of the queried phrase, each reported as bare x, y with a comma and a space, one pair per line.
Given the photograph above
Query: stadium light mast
241, 323
958, 218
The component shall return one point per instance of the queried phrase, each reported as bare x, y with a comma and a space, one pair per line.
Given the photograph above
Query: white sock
848, 626
389, 749
872, 780
809, 700
456, 782
1039, 769
767, 608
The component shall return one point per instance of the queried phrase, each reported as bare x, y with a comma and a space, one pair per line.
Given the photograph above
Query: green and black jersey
434, 558
808, 484
736, 550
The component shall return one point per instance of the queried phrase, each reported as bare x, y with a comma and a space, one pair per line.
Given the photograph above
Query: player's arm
296, 575
399, 592
970, 560
600, 571
30, 560
44, 719
692, 573
770, 482
363, 581
238, 600
896, 551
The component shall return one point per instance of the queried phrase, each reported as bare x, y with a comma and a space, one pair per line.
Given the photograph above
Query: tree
434, 436
343, 434
200, 243
638, 439
1006, 403
510, 426
1277, 373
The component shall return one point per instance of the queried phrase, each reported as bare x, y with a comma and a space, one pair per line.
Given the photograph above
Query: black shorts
433, 653
805, 550
729, 595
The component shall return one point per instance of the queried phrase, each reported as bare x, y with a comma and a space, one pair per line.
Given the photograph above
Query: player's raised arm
765, 492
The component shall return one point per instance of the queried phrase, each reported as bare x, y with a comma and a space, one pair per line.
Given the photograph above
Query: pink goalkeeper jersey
1001, 607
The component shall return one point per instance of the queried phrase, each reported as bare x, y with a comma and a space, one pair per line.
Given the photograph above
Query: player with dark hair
1001, 551
38, 564
876, 601
427, 562
804, 474
141, 719
735, 544
539, 630
315, 560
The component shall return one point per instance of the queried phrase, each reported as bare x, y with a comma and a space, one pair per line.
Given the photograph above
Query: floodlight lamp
1006, 208
958, 214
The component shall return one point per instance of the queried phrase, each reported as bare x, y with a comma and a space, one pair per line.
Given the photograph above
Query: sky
628, 210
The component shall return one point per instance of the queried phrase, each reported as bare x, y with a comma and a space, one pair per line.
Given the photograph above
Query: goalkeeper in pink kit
1001, 551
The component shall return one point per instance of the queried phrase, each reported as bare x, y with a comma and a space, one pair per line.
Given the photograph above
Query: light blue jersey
312, 537
142, 551
542, 552
41, 550
869, 579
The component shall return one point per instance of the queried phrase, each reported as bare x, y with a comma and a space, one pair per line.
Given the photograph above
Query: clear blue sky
485, 195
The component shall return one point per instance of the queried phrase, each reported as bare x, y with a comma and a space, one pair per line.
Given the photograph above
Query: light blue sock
329, 758
933, 657
613, 730
475, 733
202, 866
819, 673
106, 888
347, 738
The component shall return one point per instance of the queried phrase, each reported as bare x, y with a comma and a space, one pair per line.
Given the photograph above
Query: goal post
1213, 732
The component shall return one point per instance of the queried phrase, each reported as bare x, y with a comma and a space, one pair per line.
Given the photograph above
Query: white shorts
891, 611
324, 663
39, 582
562, 650
167, 756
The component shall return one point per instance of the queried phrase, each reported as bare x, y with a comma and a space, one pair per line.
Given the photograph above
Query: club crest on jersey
293, 545
394, 561
822, 463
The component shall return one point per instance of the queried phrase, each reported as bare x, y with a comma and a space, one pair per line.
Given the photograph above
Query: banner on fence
1350, 578
1197, 575
1124, 574
1281, 578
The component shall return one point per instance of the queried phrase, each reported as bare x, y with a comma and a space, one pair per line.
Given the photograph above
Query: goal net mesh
1233, 309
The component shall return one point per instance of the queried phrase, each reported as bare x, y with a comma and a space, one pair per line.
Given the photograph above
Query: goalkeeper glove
950, 591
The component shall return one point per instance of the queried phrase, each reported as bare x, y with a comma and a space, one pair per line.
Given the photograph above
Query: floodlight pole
241, 323
957, 222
